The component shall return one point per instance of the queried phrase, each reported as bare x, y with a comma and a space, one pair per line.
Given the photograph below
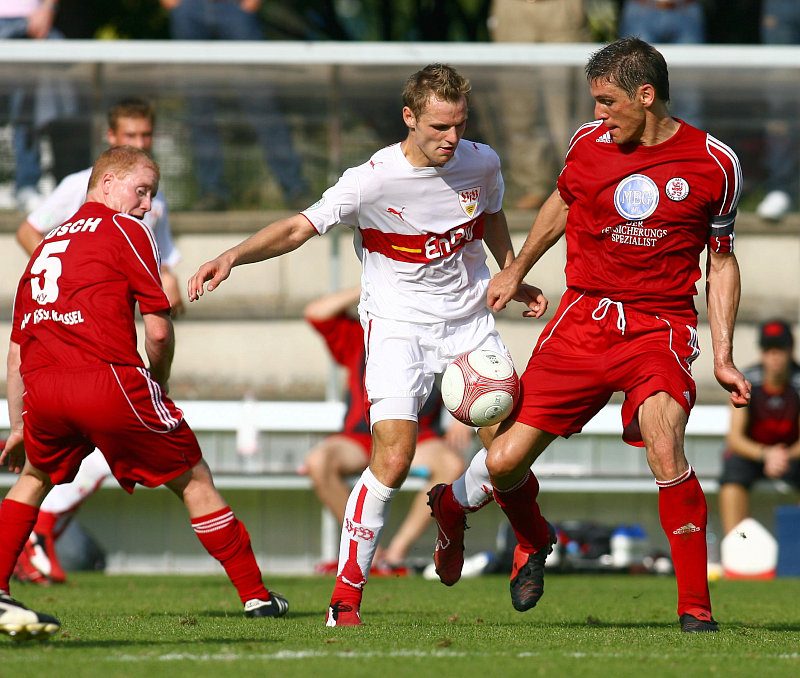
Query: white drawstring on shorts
602, 309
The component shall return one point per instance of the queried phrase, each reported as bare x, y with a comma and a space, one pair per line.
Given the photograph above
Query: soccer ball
480, 388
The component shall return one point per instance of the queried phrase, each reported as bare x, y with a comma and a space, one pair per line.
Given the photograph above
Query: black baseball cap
775, 334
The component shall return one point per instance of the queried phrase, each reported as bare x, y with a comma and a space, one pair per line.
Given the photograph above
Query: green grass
584, 626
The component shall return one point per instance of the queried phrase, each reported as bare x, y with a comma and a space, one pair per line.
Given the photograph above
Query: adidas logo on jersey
605, 139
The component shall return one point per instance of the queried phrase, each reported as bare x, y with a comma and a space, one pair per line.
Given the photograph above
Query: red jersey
344, 337
75, 302
640, 216
773, 417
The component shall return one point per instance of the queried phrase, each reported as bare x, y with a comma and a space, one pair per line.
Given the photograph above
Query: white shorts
403, 358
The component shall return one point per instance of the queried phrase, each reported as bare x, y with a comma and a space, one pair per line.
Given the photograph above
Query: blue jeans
780, 25
225, 20
684, 25
26, 113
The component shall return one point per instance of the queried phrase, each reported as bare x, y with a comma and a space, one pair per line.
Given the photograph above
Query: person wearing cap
764, 437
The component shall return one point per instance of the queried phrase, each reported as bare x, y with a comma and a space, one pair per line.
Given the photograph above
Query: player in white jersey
420, 210
130, 123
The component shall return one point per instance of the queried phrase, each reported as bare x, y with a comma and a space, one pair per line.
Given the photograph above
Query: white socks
364, 518
93, 471
473, 489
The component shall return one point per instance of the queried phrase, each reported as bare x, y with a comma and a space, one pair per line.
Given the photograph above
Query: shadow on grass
292, 614
179, 645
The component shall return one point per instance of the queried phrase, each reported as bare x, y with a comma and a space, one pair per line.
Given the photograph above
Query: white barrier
334, 53
709, 421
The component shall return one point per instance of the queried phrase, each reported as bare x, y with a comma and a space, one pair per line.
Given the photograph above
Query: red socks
682, 508
227, 540
16, 523
519, 504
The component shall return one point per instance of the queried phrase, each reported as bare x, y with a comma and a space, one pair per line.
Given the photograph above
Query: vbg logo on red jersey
636, 197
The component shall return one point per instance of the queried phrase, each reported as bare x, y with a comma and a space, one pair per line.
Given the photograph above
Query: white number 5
50, 267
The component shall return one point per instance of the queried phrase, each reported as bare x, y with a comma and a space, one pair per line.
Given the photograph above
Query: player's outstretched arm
279, 237
13, 454
723, 289
547, 228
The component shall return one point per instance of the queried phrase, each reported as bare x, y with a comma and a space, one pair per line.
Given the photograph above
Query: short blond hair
122, 160
438, 80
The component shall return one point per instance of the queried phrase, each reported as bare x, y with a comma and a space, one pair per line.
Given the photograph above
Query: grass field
585, 626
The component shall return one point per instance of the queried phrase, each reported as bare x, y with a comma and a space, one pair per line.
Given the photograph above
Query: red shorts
120, 410
583, 356
364, 440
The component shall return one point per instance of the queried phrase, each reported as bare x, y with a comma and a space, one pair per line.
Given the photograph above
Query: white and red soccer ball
480, 388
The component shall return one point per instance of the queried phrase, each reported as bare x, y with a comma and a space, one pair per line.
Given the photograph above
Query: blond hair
437, 80
121, 161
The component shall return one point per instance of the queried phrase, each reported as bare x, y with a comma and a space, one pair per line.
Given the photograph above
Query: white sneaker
28, 199
476, 565
774, 206
20, 623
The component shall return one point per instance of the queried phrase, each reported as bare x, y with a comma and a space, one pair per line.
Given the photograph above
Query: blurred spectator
679, 22
780, 25
764, 437
347, 453
130, 123
233, 20
534, 152
732, 22
45, 105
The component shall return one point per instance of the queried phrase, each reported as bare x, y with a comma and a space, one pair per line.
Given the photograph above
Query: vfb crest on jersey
636, 197
469, 198
677, 189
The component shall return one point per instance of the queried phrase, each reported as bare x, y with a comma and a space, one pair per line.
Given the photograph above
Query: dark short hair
438, 80
630, 63
775, 334
122, 160
130, 107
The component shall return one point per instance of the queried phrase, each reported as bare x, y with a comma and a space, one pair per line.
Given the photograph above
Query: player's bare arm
498, 240
723, 289
279, 237
159, 344
13, 454
169, 282
28, 237
737, 439
548, 227
333, 304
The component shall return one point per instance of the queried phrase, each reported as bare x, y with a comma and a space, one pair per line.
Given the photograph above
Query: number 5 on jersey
50, 266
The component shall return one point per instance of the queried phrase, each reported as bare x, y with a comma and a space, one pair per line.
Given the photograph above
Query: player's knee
501, 462
667, 462
318, 462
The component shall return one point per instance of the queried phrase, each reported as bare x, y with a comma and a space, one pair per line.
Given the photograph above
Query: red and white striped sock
16, 523
364, 518
683, 512
227, 540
